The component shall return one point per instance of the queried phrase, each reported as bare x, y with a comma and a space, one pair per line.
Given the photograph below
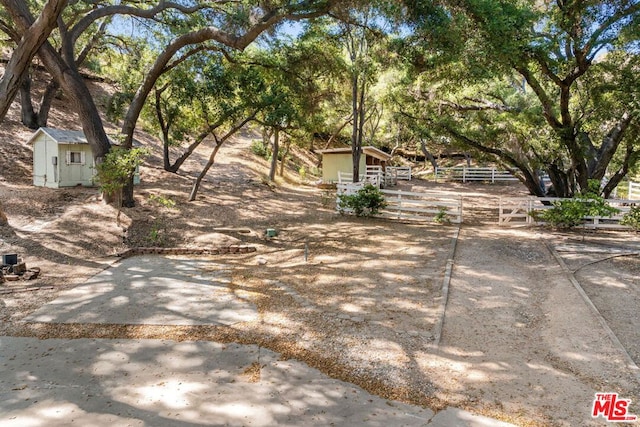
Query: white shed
63, 158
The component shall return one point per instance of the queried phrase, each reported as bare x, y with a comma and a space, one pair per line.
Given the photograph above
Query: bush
571, 212
367, 201
260, 149
118, 167
442, 217
302, 172
632, 218
162, 201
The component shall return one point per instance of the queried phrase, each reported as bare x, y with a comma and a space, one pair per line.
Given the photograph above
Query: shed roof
368, 150
64, 136
61, 136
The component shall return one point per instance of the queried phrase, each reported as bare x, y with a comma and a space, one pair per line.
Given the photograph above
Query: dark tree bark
63, 69
526, 175
28, 113
428, 155
30, 117
274, 154
33, 34
47, 100
287, 147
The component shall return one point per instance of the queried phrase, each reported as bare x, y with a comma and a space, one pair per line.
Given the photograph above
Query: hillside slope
67, 226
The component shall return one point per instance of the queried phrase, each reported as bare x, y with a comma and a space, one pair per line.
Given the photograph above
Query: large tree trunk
198, 181
630, 158
356, 137
274, 154
30, 117
28, 113
69, 79
34, 34
429, 156
47, 100
287, 147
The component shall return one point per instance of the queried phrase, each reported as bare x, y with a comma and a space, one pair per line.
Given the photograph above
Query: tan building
335, 160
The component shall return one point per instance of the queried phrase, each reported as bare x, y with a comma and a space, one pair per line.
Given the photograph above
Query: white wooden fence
401, 172
634, 190
345, 177
466, 174
413, 205
375, 176
517, 211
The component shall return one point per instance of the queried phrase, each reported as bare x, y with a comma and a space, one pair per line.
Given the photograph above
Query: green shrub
632, 218
442, 217
570, 213
118, 167
302, 172
367, 201
260, 149
162, 201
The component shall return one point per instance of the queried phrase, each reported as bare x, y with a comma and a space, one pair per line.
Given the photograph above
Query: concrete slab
96, 382
452, 417
152, 290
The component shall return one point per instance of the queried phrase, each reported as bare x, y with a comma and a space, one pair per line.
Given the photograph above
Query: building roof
368, 150
61, 136
64, 136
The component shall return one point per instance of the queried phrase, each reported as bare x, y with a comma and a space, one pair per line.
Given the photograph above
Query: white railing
390, 177
634, 190
401, 172
466, 174
411, 205
374, 175
518, 211
347, 177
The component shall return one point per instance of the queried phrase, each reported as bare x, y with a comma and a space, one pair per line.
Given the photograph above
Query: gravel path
516, 332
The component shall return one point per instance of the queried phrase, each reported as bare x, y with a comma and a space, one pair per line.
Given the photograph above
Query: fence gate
408, 205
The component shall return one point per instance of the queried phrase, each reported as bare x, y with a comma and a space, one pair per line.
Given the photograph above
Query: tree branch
30, 42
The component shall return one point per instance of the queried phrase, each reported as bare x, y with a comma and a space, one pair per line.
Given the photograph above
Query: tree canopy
543, 87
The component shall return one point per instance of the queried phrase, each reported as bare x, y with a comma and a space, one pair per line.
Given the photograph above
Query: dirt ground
360, 299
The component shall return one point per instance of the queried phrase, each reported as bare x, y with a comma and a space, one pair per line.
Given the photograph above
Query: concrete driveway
142, 382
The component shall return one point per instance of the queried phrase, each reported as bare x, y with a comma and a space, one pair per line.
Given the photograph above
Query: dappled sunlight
606, 281
170, 394
168, 290
240, 411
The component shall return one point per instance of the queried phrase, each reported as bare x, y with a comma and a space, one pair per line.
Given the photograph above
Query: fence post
464, 174
493, 175
436, 174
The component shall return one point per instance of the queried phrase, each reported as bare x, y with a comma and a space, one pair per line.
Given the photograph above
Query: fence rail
518, 211
466, 174
412, 205
401, 172
374, 175
634, 190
